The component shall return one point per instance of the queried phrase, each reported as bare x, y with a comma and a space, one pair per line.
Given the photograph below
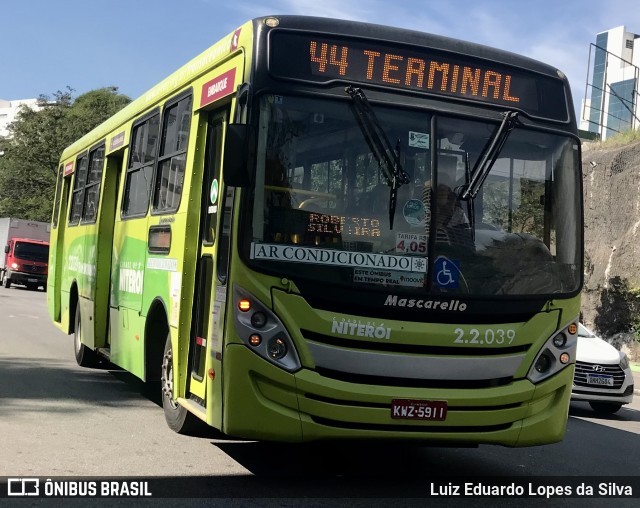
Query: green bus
322, 229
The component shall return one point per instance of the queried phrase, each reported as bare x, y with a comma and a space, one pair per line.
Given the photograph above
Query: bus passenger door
56, 256
205, 288
106, 222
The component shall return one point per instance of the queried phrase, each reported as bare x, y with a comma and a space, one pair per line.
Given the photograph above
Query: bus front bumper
264, 402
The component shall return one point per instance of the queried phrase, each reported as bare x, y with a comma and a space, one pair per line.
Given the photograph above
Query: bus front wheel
178, 418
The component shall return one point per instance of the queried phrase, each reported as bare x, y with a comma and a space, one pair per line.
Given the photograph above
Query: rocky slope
611, 186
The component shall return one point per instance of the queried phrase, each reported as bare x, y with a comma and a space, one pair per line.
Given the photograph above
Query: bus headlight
560, 340
277, 348
263, 332
258, 320
557, 353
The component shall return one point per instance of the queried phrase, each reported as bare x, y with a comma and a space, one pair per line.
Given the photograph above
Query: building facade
612, 91
9, 110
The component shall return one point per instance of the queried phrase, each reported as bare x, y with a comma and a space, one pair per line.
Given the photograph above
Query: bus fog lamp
543, 363
258, 319
560, 340
564, 358
255, 340
277, 348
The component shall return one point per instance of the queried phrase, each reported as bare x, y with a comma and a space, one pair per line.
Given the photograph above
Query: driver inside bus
452, 223
449, 211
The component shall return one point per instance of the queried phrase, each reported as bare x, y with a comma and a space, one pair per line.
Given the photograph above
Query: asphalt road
58, 419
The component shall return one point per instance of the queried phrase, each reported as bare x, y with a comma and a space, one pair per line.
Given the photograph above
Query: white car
602, 376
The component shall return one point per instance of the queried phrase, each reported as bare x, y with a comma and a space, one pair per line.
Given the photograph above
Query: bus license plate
32, 280
418, 409
599, 379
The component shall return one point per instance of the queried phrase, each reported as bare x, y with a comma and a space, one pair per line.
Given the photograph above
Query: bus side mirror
239, 155
6, 249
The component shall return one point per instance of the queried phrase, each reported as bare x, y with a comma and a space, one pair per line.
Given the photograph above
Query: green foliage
93, 108
37, 138
621, 139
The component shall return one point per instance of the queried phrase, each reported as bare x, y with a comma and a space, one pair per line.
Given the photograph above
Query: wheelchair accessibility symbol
447, 272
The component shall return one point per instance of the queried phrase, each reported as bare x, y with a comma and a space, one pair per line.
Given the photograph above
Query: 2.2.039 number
490, 337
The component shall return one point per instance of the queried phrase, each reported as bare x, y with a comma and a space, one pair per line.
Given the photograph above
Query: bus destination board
323, 59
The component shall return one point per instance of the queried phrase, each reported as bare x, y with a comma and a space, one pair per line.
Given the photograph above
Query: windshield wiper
489, 155
379, 144
471, 213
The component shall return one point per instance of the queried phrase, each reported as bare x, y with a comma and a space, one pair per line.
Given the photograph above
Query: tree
93, 108
37, 138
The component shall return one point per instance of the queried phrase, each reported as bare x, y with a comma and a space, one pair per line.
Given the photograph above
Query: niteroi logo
356, 328
414, 303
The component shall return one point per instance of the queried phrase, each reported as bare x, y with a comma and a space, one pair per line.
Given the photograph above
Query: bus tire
178, 418
7, 282
85, 357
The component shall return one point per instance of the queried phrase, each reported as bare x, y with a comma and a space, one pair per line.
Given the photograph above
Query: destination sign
323, 59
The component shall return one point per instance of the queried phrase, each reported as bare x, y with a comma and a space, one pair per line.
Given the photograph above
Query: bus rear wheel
178, 418
85, 357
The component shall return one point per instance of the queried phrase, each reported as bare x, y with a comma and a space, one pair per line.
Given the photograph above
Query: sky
46, 46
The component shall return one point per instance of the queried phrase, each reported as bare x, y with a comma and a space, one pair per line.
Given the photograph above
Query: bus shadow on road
41, 384
351, 459
150, 390
412, 465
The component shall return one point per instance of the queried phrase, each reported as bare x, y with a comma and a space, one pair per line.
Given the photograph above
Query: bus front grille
416, 349
410, 428
474, 384
395, 364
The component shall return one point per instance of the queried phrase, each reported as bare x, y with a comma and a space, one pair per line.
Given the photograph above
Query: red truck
26, 253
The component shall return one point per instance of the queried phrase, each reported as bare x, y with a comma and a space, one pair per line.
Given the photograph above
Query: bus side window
224, 239
92, 190
56, 206
135, 198
77, 196
172, 158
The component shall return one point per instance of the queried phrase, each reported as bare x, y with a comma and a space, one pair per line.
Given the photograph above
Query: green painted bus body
121, 289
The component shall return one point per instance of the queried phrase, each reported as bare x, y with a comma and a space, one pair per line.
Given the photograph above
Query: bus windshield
321, 205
